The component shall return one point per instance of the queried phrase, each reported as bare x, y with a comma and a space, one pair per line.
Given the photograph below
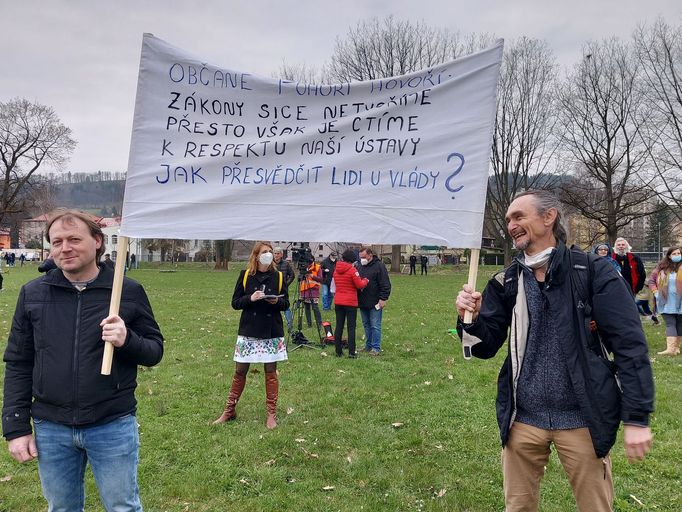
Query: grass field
413, 429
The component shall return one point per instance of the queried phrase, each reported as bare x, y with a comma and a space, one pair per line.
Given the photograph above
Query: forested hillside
99, 193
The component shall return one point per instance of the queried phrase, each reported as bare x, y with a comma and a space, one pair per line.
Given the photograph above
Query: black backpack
582, 272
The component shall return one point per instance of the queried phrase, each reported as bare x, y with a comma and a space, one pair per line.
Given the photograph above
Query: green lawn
413, 429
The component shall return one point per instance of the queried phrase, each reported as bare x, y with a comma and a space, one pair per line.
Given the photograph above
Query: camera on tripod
302, 257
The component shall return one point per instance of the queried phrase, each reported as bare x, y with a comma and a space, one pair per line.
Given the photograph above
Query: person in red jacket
347, 282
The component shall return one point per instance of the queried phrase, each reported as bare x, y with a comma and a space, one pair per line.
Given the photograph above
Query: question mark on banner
455, 173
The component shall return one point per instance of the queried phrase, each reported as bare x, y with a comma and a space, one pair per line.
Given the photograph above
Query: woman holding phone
261, 295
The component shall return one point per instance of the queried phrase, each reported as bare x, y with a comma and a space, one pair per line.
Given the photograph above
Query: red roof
108, 222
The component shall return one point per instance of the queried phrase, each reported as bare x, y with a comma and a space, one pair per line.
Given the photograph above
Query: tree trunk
396, 251
223, 254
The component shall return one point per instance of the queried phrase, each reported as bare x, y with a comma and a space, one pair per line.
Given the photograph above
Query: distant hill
103, 198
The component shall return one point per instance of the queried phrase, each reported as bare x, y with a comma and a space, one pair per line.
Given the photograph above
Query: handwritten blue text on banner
218, 154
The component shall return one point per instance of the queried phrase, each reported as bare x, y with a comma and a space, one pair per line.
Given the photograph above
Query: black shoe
655, 320
339, 355
352, 356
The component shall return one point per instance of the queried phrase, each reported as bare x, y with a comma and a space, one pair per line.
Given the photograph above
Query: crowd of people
562, 313
660, 293
262, 295
10, 258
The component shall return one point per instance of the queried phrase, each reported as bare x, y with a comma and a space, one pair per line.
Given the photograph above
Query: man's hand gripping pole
117, 288
468, 315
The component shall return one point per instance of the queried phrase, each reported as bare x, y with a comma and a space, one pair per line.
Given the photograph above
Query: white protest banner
224, 154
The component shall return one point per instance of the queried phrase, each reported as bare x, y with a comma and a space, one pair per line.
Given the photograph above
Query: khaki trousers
523, 464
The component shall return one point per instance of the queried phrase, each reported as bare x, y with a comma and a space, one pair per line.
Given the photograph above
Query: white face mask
538, 260
364, 261
265, 259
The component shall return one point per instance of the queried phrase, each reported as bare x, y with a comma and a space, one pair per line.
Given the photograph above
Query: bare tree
31, 135
167, 247
603, 114
389, 47
299, 73
523, 133
659, 52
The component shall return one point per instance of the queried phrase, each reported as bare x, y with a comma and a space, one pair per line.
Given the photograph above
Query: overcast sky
81, 56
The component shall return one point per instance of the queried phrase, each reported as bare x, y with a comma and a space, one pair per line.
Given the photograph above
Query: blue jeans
288, 316
371, 321
327, 297
112, 450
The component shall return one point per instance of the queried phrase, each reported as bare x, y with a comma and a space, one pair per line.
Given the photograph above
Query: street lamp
660, 253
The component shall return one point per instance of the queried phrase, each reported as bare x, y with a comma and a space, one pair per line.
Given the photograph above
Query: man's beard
621, 252
522, 245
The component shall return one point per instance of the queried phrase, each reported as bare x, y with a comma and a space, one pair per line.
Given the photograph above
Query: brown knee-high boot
238, 383
271, 393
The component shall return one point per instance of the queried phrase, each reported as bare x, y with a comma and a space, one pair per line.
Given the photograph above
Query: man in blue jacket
553, 387
53, 360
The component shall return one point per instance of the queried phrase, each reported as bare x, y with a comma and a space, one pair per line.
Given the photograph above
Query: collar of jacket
105, 278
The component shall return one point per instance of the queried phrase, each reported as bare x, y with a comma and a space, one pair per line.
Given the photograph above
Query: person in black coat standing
556, 386
372, 299
261, 295
631, 265
413, 264
425, 263
53, 374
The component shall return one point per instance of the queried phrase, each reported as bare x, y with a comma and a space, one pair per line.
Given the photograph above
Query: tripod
296, 335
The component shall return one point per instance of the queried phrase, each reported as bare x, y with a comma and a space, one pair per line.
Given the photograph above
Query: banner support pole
114, 305
473, 275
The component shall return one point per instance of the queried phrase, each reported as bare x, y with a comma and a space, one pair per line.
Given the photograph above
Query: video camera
302, 257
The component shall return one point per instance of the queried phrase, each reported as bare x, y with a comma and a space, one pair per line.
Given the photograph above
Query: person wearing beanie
604, 250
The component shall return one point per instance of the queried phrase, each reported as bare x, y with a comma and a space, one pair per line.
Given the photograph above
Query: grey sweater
545, 397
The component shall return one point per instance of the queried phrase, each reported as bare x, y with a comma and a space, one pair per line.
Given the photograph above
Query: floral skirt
259, 350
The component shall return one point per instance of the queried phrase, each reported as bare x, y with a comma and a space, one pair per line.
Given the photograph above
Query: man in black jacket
53, 360
553, 386
631, 265
372, 298
425, 262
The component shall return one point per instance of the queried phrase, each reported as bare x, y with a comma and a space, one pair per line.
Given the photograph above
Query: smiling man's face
74, 248
530, 230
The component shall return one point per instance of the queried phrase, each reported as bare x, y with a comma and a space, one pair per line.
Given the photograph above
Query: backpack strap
582, 273
581, 279
246, 277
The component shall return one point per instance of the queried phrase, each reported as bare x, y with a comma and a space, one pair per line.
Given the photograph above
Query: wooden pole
115, 303
473, 275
